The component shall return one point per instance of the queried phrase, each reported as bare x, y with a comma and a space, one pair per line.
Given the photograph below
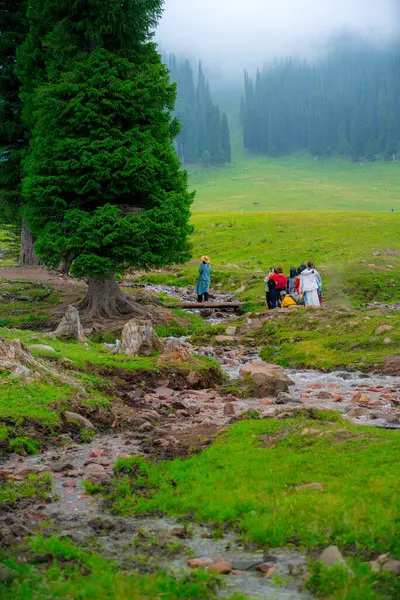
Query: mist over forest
292, 76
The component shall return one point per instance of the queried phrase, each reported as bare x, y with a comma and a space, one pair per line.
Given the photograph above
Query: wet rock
61, 467
73, 416
285, 398
220, 568
332, 557
356, 412
96, 474
146, 427
200, 563
164, 393
382, 329
139, 339
324, 395
69, 484
7, 574
267, 379
265, 567
229, 409
43, 347
311, 486
230, 399
101, 524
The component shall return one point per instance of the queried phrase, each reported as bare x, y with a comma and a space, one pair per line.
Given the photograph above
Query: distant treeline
347, 104
205, 134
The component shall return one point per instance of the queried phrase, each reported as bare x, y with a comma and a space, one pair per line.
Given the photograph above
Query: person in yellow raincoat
286, 300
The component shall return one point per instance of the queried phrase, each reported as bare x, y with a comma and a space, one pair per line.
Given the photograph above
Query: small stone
382, 329
72, 416
61, 467
230, 330
324, 396
388, 341
220, 568
7, 574
285, 398
332, 557
221, 339
311, 486
69, 484
200, 563
193, 378
145, 427
96, 474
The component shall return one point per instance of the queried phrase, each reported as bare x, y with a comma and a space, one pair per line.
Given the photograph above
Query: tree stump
70, 327
139, 339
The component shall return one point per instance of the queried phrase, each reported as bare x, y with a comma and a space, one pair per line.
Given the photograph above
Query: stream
363, 398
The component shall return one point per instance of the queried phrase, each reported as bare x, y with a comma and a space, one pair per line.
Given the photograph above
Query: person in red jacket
280, 280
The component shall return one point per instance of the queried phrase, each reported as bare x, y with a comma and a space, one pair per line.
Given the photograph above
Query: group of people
302, 287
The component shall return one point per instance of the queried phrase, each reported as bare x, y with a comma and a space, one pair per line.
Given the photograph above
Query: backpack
271, 284
280, 282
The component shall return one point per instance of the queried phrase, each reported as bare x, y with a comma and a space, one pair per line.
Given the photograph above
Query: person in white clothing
309, 285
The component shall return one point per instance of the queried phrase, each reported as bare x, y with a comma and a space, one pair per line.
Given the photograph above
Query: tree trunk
27, 256
105, 300
66, 262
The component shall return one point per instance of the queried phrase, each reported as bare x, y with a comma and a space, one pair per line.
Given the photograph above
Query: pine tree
103, 182
225, 139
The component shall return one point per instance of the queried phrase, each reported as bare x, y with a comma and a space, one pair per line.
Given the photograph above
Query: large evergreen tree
103, 183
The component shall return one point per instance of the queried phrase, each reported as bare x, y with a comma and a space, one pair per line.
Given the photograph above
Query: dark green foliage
14, 27
205, 132
102, 178
347, 103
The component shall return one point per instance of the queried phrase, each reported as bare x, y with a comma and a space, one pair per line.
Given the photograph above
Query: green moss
24, 445
33, 486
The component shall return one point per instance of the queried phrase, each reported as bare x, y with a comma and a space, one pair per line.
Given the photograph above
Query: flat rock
382, 329
200, 563
43, 347
221, 339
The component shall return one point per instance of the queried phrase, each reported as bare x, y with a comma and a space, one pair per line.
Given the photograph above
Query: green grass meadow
296, 183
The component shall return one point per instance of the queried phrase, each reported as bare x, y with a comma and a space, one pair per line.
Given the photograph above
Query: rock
66, 363
229, 409
220, 568
72, 416
139, 339
324, 395
69, 484
200, 563
240, 290
382, 329
61, 467
332, 557
268, 379
222, 339
70, 327
375, 568
95, 474
7, 574
285, 398
383, 558
43, 347
231, 330
178, 354
356, 412
311, 486
391, 366
193, 378
264, 567
145, 427
393, 566
388, 341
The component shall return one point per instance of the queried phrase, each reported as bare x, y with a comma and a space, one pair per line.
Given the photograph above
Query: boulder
139, 339
332, 557
70, 327
382, 329
267, 379
42, 347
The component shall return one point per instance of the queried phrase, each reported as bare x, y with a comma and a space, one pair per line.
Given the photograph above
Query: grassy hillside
296, 183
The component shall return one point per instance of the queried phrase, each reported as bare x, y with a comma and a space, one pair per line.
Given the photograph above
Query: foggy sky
234, 34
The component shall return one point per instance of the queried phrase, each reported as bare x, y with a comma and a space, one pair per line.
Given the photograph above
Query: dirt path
61, 283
